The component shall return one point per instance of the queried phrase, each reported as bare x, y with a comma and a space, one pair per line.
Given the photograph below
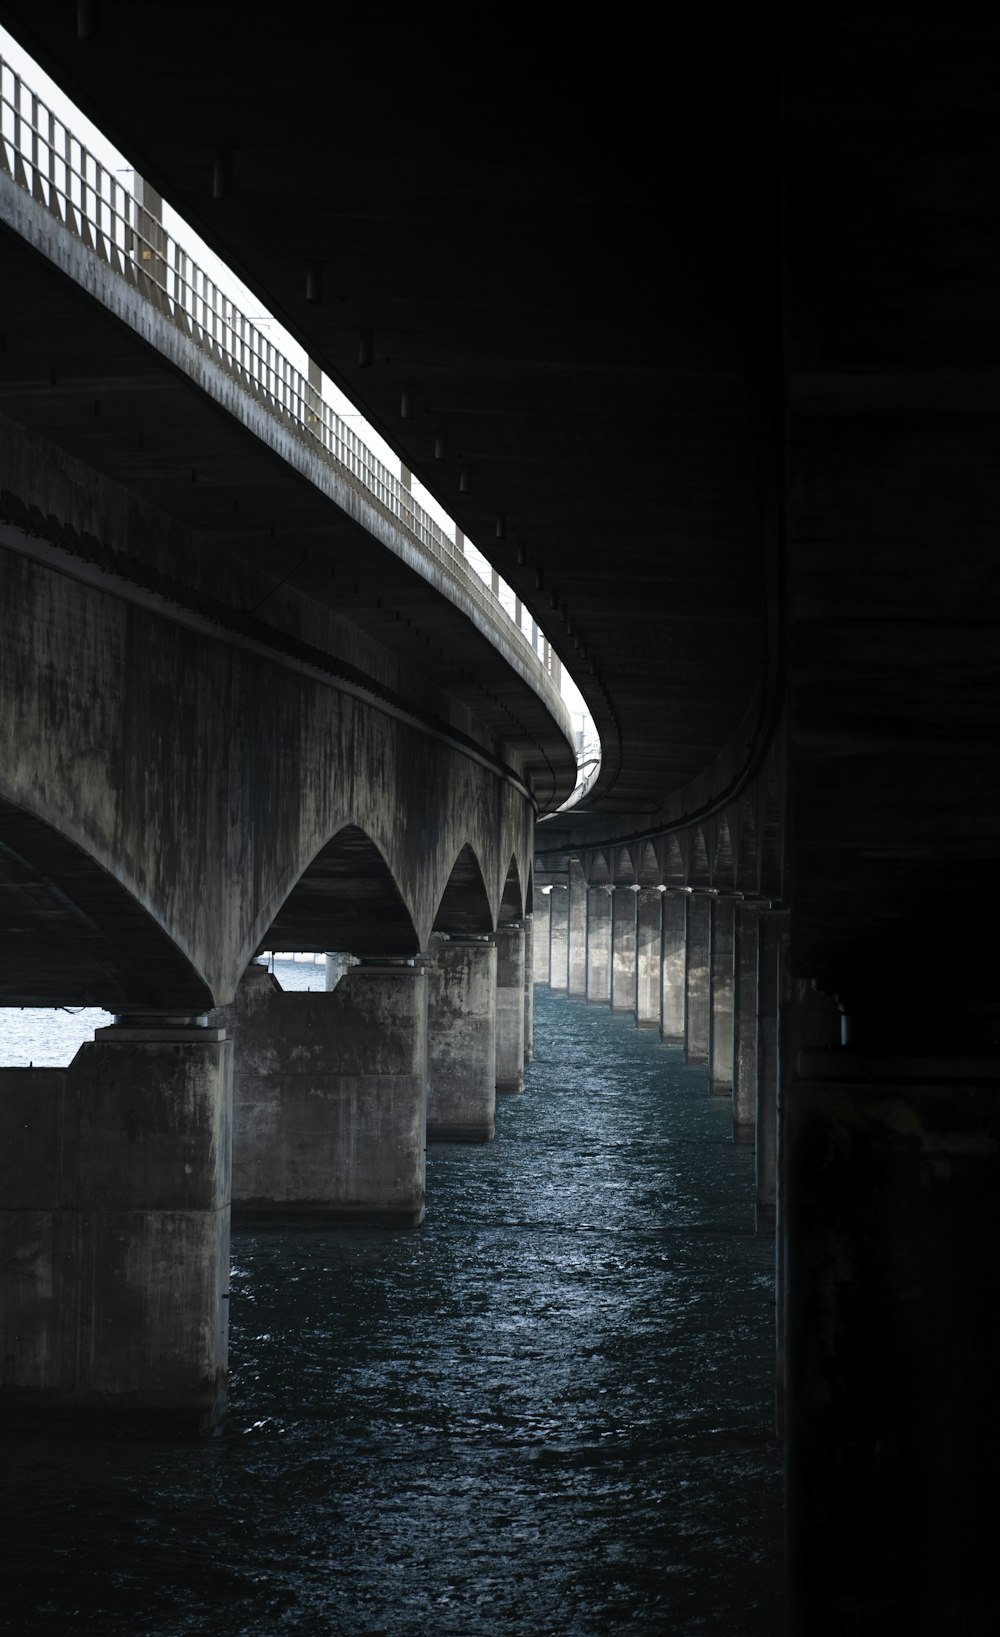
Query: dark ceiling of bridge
560, 249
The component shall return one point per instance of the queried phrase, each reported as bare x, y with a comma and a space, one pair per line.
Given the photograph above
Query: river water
546, 1411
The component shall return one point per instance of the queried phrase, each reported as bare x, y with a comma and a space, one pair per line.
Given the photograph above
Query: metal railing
43, 156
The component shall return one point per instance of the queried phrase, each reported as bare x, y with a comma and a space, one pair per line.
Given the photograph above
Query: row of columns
700, 967
120, 1173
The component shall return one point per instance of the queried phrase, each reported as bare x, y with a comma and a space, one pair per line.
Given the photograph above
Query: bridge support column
599, 945
672, 968
697, 978
745, 1011
648, 949
773, 932
577, 933
461, 1040
115, 1228
529, 988
542, 915
510, 1010
337, 964
720, 1048
559, 939
623, 950
892, 1256
330, 1098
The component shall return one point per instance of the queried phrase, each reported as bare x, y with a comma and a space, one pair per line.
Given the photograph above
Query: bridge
700, 349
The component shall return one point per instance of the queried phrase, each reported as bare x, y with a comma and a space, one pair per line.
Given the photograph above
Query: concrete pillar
599, 946
540, 940
461, 1040
697, 978
529, 988
510, 1009
330, 1098
890, 1219
773, 926
745, 1013
721, 1041
672, 965
114, 1232
337, 963
648, 948
558, 940
577, 933
623, 950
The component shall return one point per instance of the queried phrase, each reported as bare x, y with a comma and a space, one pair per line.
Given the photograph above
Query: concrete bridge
710, 366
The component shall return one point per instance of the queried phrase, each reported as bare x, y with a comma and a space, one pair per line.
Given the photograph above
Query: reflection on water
546, 1411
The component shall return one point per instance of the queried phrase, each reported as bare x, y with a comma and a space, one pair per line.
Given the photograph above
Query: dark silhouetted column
745, 1010
773, 932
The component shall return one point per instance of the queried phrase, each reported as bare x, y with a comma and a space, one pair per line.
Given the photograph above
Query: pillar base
330, 1100
646, 1023
510, 1088
114, 1237
744, 1136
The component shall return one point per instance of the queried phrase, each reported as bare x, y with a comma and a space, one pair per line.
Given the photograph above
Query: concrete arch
674, 871
649, 866
747, 878
465, 902
79, 935
724, 867
598, 874
623, 867
698, 868
512, 899
346, 898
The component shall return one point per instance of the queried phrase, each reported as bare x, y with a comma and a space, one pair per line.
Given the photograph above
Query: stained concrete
510, 1010
672, 968
599, 946
698, 978
559, 938
745, 1014
461, 1040
115, 1230
576, 933
722, 1035
623, 907
330, 1099
648, 954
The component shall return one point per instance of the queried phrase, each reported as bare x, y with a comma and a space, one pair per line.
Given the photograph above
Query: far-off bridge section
252, 698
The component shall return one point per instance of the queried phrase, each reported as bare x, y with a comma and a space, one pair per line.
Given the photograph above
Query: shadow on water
548, 1410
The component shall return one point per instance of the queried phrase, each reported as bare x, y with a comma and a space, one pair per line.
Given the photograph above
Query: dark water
546, 1411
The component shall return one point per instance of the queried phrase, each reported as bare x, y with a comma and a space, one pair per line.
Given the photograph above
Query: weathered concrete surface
599, 946
542, 916
623, 905
697, 978
673, 1002
461, 1040
558, 938
648, 953
892, 1295
529, 988
330, 1098
745, 1014
773, 942
510, 1010
115, 1230
576, 933
151, 847
721, 1041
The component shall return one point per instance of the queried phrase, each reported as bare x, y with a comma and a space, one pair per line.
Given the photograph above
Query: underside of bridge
697, 340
